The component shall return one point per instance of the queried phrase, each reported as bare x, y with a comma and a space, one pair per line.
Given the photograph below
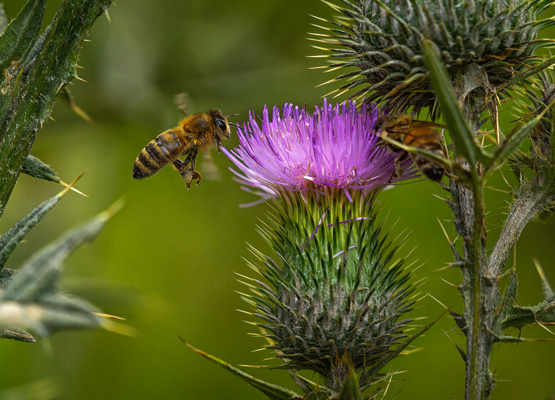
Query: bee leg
188, 174
398, 171
181, 167
195, 174
218, 143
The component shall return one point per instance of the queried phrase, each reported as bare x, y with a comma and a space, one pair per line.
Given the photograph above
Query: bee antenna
235, 124
233, 115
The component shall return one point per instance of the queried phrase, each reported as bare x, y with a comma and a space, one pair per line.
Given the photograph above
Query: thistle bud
382, 40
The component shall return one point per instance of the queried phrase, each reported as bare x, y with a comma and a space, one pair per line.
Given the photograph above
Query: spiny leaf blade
39, 274
49, 314
273, 392
3, 19
32, 299
548, 291
513, 142
18, 334
20, 35
54, 66
36, 168
11, 239
454, 119
510, 315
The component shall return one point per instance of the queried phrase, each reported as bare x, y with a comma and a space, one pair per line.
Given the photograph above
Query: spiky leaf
37, 81
273, 392
15, 333
510, 315
37, 168
3, 20
454, 118
11, 239
18, 39
31, 299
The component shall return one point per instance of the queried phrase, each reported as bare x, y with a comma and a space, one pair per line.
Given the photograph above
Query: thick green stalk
479, 317
32, 92
479, 291
487, 313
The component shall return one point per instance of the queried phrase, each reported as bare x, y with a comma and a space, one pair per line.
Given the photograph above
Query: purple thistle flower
335, 147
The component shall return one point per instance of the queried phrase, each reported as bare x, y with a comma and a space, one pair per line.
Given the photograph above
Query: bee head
220, 122
381, 121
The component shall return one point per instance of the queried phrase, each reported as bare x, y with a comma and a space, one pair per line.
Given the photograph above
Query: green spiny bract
336, 297
535, 169
383, 39
541, 93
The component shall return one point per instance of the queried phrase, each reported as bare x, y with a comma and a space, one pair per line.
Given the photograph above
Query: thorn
508, 272
326, 83
506, 181
444, 232
448, 266
80, 79
118, 327
114, 208
497, 189
461, 351
108, 316
541, 324
387, 386
341, 93
70, 186
453, 249
439, 197
450, 284
439, 302
258, 350
107, 15
547, 288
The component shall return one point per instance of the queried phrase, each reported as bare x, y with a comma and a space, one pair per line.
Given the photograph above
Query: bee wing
209, 169
184, 103
427, 124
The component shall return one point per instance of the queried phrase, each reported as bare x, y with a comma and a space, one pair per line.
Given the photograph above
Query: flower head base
336, 295
333, 148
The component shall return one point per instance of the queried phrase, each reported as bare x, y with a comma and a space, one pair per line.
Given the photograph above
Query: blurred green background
167, 261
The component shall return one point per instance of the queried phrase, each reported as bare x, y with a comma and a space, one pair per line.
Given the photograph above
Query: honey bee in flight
420, 134
200, 131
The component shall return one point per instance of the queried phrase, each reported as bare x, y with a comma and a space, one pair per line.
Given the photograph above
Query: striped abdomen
426, 140
157, 154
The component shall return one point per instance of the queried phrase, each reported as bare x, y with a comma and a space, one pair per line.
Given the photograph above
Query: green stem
479, 340
478, 290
